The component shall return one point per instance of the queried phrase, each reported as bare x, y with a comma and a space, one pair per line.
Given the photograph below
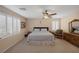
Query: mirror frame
71, 29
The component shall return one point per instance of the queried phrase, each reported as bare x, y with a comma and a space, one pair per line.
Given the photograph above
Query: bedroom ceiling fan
48, 14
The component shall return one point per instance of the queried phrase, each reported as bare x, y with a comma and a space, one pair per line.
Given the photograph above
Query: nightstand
27, 34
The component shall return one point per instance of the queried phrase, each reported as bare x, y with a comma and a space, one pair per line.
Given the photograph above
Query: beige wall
48, 23
11, 40
38, 23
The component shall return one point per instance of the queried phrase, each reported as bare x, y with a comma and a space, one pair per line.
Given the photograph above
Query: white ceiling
35, 11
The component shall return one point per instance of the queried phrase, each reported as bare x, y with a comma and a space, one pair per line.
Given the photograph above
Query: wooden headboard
41, 28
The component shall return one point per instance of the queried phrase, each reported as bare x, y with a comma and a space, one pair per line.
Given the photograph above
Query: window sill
4, 36
7, 35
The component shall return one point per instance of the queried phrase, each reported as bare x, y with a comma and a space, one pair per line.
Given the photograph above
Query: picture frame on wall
23, 25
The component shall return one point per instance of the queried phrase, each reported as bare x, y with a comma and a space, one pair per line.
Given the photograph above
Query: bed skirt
37, 43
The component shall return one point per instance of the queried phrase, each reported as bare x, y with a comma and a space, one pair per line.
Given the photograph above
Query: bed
42, 35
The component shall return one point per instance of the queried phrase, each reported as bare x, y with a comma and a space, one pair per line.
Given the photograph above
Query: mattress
40, 36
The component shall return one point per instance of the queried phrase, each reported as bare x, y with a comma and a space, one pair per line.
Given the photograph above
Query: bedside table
27, 34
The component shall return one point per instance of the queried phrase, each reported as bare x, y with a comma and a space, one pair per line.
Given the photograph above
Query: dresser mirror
74, 26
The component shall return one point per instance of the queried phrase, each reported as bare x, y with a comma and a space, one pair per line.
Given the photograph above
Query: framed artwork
23, 25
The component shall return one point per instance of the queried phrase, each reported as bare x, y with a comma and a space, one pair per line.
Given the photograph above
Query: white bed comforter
40, 36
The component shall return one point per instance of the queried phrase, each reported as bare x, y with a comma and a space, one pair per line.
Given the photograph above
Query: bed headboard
41, 28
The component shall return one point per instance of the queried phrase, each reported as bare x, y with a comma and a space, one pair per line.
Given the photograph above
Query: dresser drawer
74, 39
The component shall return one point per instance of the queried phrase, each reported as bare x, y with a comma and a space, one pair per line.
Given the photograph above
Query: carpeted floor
60, 46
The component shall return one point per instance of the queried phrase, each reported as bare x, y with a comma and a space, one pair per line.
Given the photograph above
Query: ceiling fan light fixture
46, 17
48, 14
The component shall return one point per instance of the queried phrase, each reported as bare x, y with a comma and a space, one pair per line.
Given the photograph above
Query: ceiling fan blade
48, 14
53, 14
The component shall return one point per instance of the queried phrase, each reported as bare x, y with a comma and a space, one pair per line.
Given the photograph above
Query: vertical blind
9, 24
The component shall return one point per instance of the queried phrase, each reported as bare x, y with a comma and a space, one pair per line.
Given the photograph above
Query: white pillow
78, 28
43, 29
36, 29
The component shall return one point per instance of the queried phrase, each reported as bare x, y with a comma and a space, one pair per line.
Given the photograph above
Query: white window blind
55, 25
9, 25
16, 25
2, 24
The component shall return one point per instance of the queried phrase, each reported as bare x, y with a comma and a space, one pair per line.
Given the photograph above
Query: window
9, 25
16, 25
55, 25
2, 24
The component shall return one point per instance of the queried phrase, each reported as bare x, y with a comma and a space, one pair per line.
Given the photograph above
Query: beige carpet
60, 46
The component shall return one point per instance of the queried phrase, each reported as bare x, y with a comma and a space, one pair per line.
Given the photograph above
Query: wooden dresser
72, 38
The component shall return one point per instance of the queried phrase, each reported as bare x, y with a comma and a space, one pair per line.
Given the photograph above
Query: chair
58, 33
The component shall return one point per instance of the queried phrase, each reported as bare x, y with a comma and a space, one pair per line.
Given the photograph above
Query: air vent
23, 9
